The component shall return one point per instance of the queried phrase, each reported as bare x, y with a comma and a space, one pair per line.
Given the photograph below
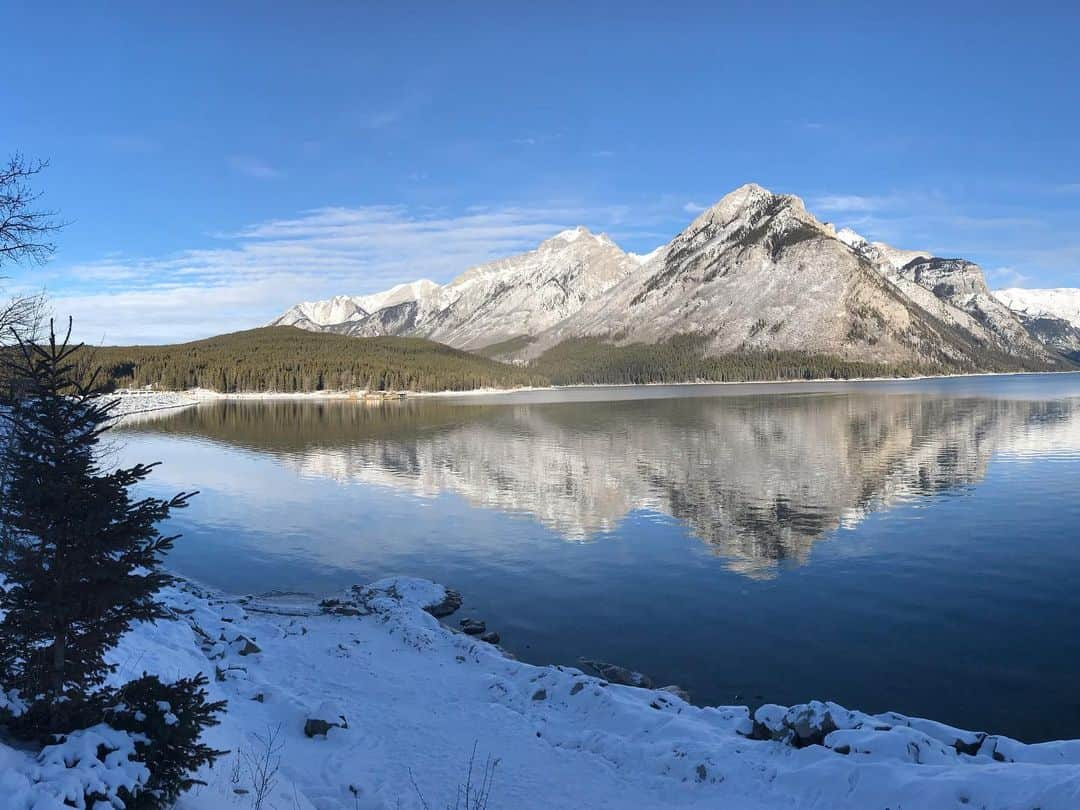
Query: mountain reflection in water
758, 478
898, 545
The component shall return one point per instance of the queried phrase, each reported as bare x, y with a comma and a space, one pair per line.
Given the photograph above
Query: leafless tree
262, 761
26, 232
25, 229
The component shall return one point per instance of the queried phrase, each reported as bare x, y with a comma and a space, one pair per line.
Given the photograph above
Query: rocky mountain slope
487, 304
756, 271
1050, 316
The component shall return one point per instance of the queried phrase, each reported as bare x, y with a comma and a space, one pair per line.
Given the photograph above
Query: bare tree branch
25, 229
25, 235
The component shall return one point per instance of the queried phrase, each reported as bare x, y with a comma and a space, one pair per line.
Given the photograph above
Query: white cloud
1001, 277
252, 167
252, 275
851, 203
693, 208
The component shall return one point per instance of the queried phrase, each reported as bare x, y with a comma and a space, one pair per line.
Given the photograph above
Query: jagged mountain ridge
755, 271
487, 304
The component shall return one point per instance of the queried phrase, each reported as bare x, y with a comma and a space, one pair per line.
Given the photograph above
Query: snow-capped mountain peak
1063, 302
410, 291
339, 309
755, 271
571, 235
488, 303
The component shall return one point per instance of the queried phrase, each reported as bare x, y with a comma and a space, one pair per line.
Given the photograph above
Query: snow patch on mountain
421, 291
1063, 303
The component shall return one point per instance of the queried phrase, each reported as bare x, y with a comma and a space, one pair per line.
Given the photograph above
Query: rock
491, 637
540, 694
249, 647
231, 613
577, 687
702, 772
799, 726
337, 607
612, 673
473, 627
448, 605
316, 728
678, 691
327, 716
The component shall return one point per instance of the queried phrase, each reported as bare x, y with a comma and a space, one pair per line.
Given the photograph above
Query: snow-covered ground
408, 700
145, 400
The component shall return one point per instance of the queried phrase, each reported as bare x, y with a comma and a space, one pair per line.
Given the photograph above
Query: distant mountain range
754, 273
1052, 316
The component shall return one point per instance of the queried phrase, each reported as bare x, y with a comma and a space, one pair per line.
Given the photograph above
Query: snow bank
403, 700
95, 760
132, 402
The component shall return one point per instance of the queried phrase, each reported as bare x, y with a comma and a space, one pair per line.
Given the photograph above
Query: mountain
1063, 303
485, 305
758, 272
1050, 316
754, 273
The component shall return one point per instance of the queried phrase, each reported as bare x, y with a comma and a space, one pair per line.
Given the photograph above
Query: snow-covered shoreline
404, 699
142, 401
130, 403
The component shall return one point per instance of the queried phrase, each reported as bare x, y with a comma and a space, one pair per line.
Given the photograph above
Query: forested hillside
682, 359
287, 359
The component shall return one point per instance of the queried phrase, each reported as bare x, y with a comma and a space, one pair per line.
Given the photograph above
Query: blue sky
218, 162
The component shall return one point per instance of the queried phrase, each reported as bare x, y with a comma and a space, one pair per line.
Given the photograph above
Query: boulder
613, 673
450, 603
473, 627
327, 716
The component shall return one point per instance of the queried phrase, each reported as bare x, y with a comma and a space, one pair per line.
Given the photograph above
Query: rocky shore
369, 701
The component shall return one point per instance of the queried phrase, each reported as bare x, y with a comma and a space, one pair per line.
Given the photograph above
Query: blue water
912, 546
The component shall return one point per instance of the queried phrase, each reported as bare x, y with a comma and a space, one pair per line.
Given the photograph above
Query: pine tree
80, 556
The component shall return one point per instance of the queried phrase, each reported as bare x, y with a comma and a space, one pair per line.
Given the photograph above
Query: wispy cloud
851, 203
252, 167
247, 277
999, 277
603, 153
536, 138
693, 208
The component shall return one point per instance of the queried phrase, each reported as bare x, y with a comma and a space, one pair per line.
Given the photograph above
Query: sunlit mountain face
758, 478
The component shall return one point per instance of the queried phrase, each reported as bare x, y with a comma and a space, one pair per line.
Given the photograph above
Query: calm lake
912, 546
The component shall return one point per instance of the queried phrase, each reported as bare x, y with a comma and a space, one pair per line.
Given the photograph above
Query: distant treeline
682, 359
288, 359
